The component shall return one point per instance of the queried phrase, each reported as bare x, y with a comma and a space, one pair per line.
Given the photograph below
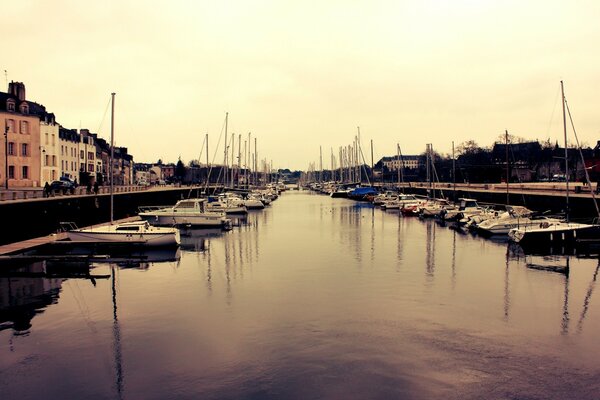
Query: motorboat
383, 197
189, 212
433, 207
130, 233
227, 204
466, 208
399, 202
551, 233
513, 217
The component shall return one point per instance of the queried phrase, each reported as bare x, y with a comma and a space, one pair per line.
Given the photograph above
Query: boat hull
177, 219
146, 239
555, 236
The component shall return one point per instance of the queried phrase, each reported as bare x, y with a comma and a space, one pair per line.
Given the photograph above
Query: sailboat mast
453, 174
398, 162
562, 91
507, 171
225, 152
112, 155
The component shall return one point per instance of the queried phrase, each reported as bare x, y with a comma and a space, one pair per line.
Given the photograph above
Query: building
69, 152
50, 149
20, 155
395, 162
87, 157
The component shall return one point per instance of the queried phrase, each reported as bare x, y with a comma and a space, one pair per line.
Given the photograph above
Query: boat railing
67, 226
151, 208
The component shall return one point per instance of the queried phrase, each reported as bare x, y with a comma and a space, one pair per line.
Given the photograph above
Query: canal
311, 298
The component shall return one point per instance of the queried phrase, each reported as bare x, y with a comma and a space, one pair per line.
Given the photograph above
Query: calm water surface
312, 298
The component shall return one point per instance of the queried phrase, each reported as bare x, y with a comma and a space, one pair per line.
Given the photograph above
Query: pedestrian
88, 188
46, 190
96, 187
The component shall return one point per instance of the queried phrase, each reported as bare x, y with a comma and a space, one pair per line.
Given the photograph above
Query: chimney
17, 89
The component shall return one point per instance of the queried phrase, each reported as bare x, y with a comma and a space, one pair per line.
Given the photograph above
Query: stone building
20, 155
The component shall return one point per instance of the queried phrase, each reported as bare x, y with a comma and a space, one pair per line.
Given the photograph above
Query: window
24, 109
46, 160
90, 167
25, 172
90, 155
11, 172
54, 161
46, 134
81, 154
24, 149
10, 105
11, 149
82, 167
53, 139
24, 127
11, 125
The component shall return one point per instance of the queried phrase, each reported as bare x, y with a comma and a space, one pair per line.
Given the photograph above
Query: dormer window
24, 108
10, 105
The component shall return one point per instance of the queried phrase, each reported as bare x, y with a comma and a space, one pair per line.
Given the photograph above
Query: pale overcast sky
300, 74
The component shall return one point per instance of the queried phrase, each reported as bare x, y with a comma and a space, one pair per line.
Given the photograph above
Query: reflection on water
311, 298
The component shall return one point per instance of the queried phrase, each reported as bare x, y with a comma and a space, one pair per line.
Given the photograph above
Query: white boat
130, 233
513, 217
399, 202
134, 233
253, 203
561, 232
549, 233
466, 208
228, 205
383, 197
433, 207
190, 212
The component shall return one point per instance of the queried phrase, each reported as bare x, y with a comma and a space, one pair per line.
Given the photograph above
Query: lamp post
6, 154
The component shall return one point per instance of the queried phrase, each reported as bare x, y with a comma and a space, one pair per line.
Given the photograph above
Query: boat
189, 213
513, 217
559, 233
361, 193
130, 233
383, 197
399, 202
227, 204
433, 208
466, 208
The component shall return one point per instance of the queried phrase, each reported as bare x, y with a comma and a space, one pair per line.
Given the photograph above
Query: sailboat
128, 233
549, 233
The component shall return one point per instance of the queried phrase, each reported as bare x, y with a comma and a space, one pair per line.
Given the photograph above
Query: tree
180, 170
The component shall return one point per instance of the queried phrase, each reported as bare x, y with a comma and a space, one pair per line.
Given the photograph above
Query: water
312, 298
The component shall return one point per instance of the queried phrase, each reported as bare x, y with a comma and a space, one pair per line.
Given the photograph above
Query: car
64, 185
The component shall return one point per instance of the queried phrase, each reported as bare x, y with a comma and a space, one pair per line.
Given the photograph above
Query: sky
300, 75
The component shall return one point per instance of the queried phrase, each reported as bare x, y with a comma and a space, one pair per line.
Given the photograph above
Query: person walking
96, 188
46, 190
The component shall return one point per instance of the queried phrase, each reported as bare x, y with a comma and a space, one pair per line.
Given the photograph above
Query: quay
32, 216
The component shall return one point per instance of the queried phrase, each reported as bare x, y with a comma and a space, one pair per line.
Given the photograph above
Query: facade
50, 150
69, 153
20, 155
87, 157
394, 163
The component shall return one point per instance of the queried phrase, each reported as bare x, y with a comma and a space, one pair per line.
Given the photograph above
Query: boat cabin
467, 203
190, 205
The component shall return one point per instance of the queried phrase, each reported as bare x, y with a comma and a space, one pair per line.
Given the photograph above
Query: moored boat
131, 233
189, 212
